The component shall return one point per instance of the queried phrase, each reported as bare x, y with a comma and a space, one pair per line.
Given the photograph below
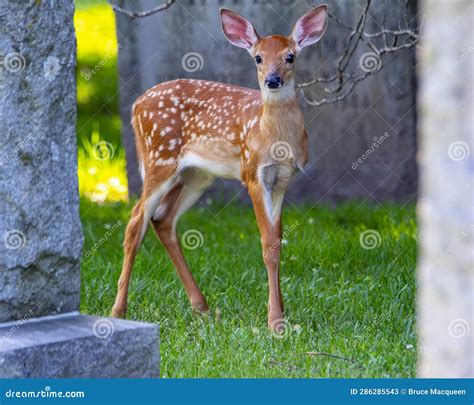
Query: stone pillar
39, 220
42, 334
446, 213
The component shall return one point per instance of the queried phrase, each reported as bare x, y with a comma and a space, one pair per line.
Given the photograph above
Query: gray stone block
75, 345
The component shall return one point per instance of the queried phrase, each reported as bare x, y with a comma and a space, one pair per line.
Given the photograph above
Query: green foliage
97, 102
340, 299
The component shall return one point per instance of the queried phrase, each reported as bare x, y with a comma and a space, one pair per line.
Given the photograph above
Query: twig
141, 14
341, 84
290, 367
329, 355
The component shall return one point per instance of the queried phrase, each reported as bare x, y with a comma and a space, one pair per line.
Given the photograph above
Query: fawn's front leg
267, 205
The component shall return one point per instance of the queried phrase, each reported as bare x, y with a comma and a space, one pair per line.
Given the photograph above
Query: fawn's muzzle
273, 81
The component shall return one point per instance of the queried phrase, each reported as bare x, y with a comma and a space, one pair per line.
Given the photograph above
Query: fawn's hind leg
136, 229
173, 205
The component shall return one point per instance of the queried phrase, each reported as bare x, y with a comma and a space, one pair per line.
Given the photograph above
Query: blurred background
362, 147
97, 103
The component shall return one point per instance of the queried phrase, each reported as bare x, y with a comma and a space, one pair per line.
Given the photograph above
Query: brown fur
189, 131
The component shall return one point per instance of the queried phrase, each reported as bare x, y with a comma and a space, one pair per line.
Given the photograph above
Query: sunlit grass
101, 170
100, 179
341, 299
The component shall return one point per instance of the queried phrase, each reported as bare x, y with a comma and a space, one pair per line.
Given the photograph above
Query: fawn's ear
310, 28
238, 31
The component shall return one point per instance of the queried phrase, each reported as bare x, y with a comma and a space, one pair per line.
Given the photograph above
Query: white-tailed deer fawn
191, 131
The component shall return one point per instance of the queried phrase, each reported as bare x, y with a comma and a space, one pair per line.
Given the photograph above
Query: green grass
340, 299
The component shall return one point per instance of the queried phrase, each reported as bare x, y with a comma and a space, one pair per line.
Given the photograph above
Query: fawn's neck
282, 117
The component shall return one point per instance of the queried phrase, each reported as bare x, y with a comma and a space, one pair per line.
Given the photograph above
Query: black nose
274, 81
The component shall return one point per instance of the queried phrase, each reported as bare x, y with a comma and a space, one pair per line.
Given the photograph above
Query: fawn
190, 131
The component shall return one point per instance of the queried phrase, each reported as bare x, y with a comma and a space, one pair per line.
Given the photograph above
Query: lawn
350, 309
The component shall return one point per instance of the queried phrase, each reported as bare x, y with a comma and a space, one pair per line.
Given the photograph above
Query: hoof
118, 312
200, 307
199, 304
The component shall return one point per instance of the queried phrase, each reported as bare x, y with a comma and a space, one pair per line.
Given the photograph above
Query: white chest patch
274, 179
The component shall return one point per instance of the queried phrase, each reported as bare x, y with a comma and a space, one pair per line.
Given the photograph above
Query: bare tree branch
141, 14
341, 84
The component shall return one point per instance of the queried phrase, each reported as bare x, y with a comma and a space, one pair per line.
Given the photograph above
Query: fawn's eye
290, 58
258, 59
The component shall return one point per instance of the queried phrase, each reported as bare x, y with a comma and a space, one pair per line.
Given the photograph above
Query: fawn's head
275, 55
